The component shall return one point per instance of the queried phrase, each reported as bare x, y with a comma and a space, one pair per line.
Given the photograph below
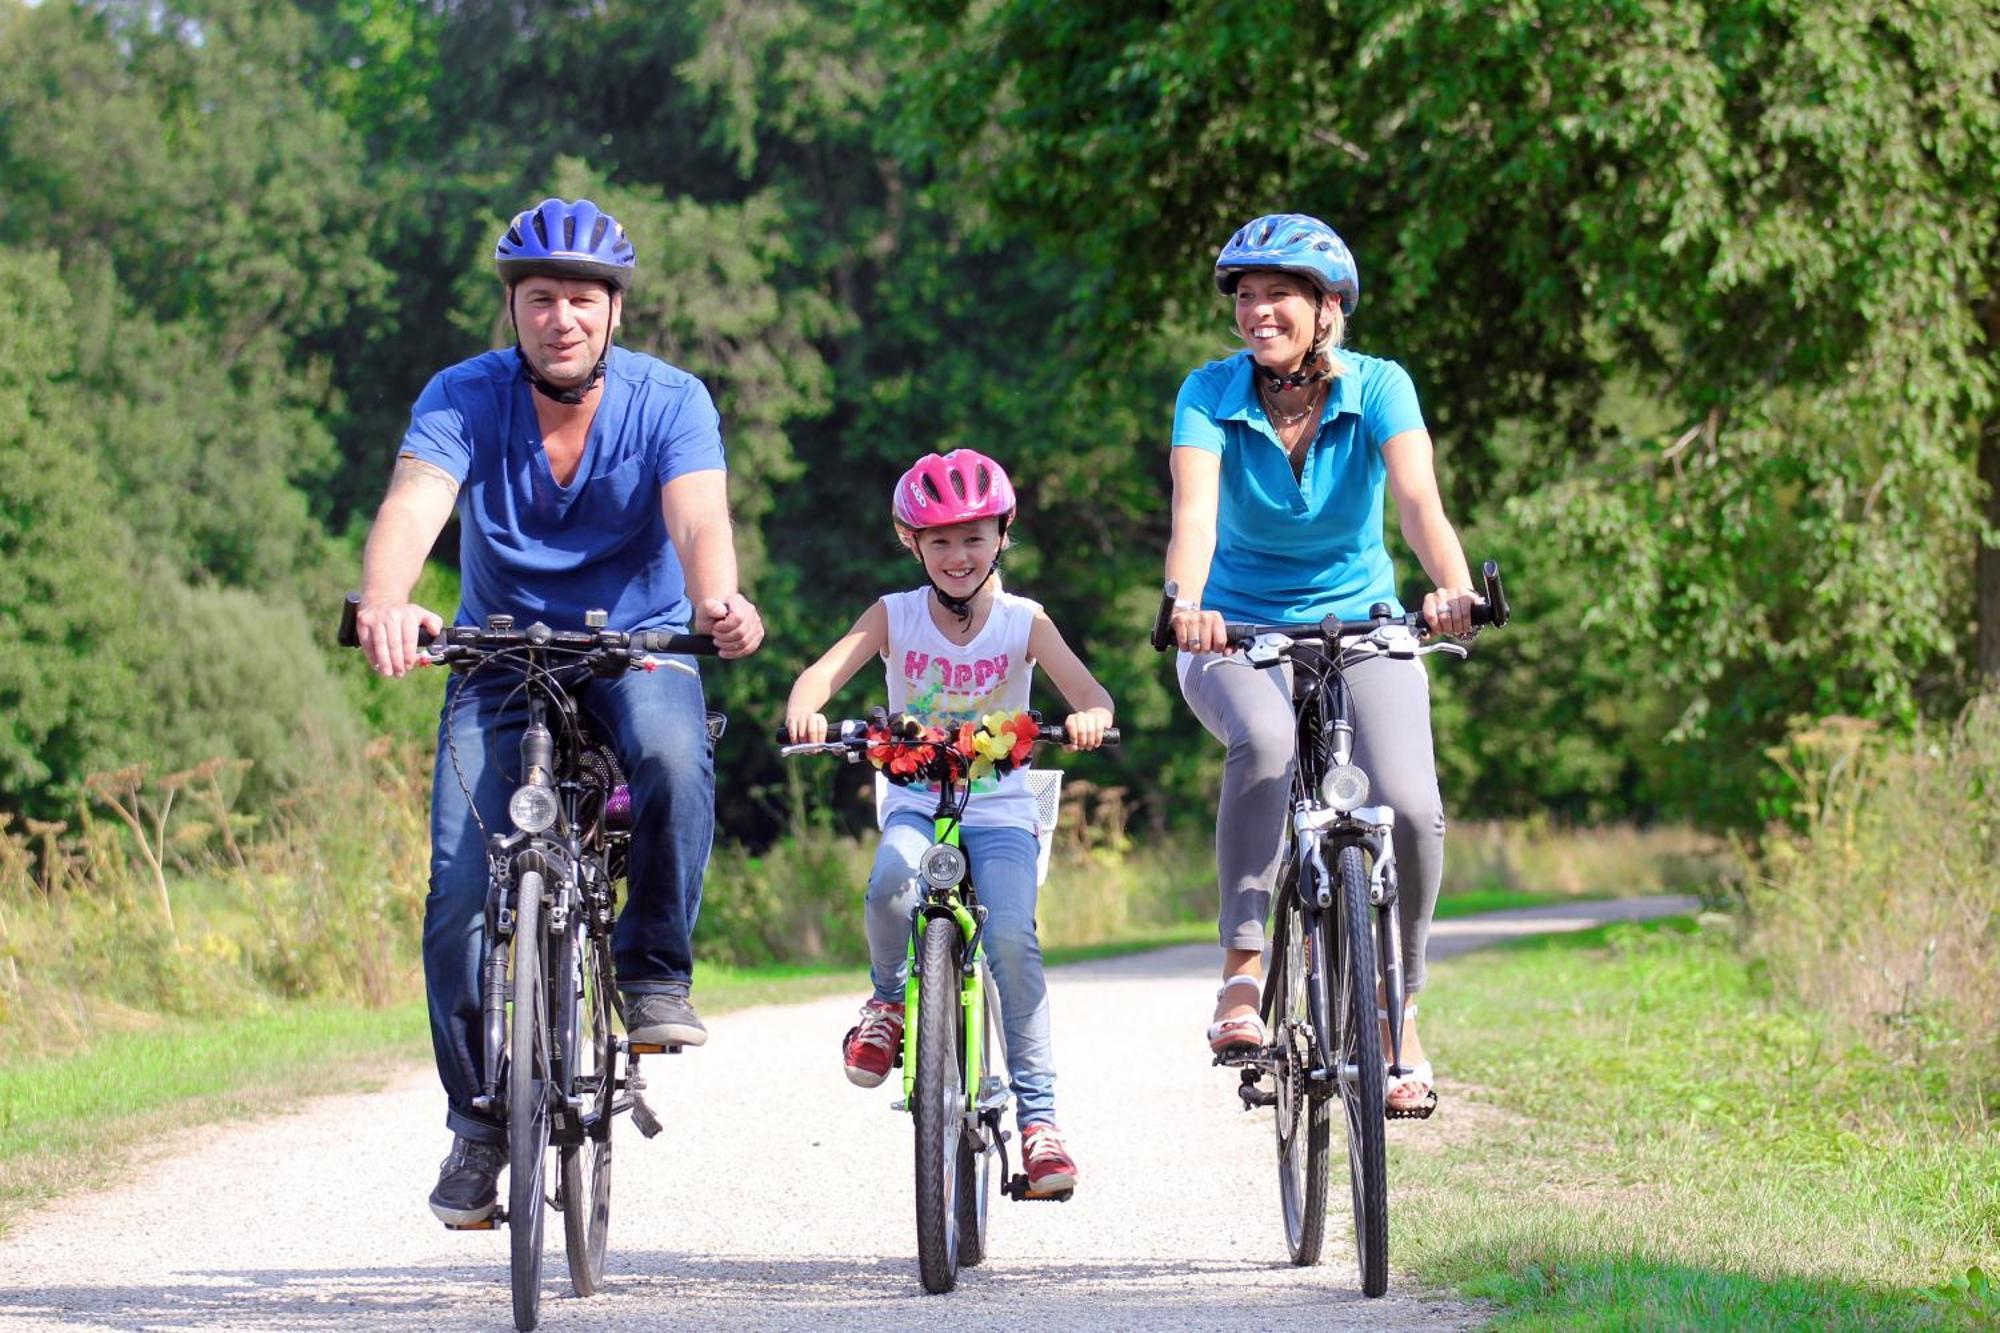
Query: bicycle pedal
491, 1222
1017, 1190
1237, 1057
1412, 1112
1255, 1097
644, 1120
650, 1048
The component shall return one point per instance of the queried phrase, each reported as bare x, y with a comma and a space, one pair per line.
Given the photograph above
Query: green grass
1648, 1140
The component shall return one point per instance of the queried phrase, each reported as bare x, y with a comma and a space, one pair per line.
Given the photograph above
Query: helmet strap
960, 607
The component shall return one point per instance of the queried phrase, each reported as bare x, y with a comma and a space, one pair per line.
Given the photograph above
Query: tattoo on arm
415, 472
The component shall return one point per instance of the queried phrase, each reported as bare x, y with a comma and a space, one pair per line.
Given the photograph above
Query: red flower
1026, 732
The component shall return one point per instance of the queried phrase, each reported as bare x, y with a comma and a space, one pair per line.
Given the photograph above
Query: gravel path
778, 1198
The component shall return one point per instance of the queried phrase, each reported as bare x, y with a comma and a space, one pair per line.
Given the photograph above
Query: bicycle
954, 1103
1330, 957
552, 1055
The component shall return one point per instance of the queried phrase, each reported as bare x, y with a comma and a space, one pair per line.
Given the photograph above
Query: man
585, 476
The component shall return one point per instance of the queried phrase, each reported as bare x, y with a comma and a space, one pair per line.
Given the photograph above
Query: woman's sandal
1411, 1095
1229, 1035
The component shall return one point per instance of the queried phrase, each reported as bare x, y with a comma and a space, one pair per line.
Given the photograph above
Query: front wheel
1363, 1072
1304, 1111
975, 1167
586, 1166
527, 1103
937, 1104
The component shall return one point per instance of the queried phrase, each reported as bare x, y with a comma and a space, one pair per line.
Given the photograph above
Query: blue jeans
656, 723
1003, 870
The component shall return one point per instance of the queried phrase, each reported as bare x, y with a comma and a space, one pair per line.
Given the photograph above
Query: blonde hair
1330, 335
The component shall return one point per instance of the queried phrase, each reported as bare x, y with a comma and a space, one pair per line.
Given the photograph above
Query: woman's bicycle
557, 1071
953, 1099
1337, 945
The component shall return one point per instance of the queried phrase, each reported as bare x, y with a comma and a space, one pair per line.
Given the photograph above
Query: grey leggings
1250, 711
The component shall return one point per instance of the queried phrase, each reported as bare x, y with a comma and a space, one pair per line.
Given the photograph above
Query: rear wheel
1304, 1114
527, 1102
938, 1105
1363, 1072
586, 1166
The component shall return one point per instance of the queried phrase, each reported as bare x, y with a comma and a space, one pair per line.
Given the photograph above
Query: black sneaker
467, 1182
663, 1018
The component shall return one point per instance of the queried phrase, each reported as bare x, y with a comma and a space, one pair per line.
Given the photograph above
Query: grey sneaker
663, 1018
468, 1182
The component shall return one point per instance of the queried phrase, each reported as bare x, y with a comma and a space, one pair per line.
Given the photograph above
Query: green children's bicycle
951, 1034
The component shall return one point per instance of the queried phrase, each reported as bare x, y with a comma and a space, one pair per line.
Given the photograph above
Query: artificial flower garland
994, 744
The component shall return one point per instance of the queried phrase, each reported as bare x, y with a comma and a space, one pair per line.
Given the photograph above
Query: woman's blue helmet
559, 239
1291, 243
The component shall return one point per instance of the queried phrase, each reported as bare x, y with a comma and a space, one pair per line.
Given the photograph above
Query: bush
1881, 904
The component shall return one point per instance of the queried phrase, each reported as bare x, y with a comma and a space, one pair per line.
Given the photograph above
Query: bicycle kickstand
643, 1118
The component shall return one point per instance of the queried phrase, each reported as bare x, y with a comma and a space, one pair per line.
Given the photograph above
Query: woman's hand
1449, 610
1086, 729
1198, 631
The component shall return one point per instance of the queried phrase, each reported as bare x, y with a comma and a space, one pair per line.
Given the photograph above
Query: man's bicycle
556, 1071
954, 1100
1337, 945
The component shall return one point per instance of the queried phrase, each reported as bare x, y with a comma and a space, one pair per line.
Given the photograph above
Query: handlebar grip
349, 633
660, 641
1163, 637
1496, 611
1057, 734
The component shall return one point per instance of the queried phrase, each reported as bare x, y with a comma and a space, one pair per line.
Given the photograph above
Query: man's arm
696, 507
419, 503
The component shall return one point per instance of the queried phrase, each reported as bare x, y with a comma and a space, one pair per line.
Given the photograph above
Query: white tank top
942, 684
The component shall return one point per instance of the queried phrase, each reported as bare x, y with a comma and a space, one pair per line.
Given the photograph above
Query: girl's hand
1086, 729
1198, 631
805, 726
1449, 610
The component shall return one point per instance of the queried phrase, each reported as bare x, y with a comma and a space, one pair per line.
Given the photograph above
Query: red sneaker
872, 1045
1050, 1167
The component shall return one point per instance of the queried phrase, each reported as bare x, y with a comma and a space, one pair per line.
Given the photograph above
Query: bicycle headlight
1345, 788
943, 866
532, 808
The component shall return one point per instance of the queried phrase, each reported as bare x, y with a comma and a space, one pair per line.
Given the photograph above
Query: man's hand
388, 633
734, 623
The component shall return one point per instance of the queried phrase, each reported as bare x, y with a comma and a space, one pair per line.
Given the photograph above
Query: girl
956, 649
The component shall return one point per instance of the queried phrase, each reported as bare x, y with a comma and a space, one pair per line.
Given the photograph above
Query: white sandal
1228, 1033
1418, 1075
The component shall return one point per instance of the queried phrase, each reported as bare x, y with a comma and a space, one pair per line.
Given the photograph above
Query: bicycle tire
975, 1168
937, 1105
527, 1105
1304, 1115
585, 1179
1362, 1095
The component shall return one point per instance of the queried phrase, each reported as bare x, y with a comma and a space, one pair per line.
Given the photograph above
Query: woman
1279, 456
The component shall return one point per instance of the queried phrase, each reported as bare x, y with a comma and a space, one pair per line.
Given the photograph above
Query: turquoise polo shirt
1291, 550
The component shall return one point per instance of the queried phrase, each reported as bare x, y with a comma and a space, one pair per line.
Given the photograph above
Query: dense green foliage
1691, 294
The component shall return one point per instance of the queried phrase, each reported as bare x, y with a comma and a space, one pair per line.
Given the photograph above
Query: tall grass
1881, 906
1536, 855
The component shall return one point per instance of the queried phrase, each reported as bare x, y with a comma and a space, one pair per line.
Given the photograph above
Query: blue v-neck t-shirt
1290, 550
538, 550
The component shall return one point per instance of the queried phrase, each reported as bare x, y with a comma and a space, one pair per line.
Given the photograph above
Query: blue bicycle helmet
559, 239
1291, 243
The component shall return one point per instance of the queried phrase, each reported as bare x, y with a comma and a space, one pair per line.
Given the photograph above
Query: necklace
1283, 420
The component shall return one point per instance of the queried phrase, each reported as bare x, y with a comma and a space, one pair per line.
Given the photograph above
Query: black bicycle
1336, 945
552, 1052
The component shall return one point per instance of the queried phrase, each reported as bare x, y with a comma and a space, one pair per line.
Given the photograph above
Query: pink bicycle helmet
957, 487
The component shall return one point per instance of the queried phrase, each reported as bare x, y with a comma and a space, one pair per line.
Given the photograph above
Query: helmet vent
983, 478
514, 236
957, 483
930, 488
597, 232
541, 230
569, 232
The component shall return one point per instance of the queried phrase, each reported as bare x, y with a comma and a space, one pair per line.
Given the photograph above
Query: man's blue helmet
559, 239
1291, 243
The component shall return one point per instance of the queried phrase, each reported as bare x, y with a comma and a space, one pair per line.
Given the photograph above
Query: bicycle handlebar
499, 633
1491, 610
851, 734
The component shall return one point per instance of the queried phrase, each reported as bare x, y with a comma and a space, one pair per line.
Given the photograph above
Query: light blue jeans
1003, 872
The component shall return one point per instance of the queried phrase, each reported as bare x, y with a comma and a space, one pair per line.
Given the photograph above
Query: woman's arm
818, 682
1420, 511
1197, 477
1092, 702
